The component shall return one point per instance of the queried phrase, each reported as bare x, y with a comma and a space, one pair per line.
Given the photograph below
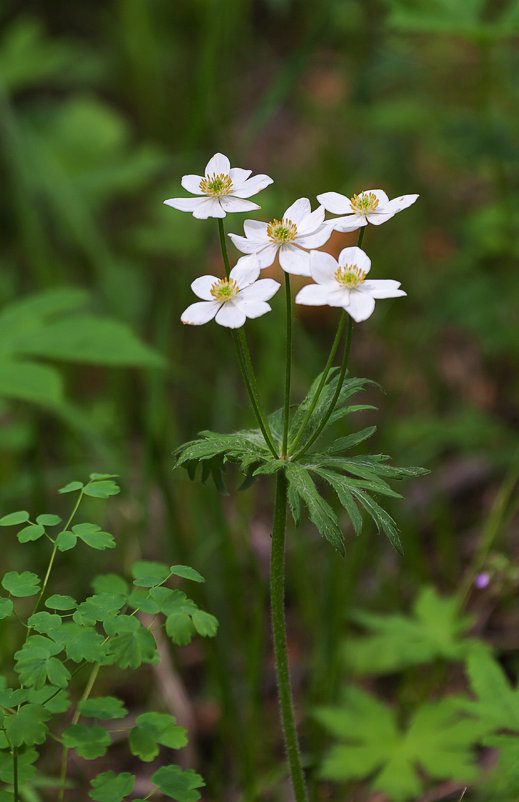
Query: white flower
299, 228
221, 190
371, 206
231, 300
343, 283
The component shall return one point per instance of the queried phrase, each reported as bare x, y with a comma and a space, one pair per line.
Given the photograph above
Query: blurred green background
103, 107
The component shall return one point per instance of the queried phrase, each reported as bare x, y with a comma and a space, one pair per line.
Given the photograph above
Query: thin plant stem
342, 321
361, 236
253, 395
277, 600
223, 246
15, 773
493, 526
336, 395
288, 364
86, 693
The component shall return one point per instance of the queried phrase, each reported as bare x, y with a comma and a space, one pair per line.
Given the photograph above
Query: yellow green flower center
282, 231
364, 203
350, 276
224, 290
216, 185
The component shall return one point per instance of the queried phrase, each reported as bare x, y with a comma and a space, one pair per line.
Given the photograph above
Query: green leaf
382, 519
132, 648
92, 535
89, 742
320, 512
98, 607
14, 518
205, 624
6, 608
31, 532
82, 643
497, 702
48, 519
20, 585
152, 730
111, 787
180, 628
436, 739
105, 707
340, 485
178, 784
146, 574
110, 583
58, 602
435, 630
66, 540
27, 725
26, 771
29, 381
36, 663
44, 622
186, 572
103, 489
96, 476
350, 441
71, 487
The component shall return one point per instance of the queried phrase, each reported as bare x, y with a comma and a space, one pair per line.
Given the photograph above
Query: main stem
277, 600
288, 364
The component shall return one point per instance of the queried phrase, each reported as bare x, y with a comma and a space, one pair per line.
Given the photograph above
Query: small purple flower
482, 580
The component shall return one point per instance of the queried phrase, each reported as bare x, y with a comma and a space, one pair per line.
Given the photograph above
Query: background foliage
103, 106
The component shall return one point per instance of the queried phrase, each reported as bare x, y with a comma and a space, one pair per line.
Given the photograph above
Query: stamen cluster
364, 203
224, 289
216, 185
282, 231
350, 276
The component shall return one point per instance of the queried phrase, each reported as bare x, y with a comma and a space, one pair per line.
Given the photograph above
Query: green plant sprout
65, 641
281, 445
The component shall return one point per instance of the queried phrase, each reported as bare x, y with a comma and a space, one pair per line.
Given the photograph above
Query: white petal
299, 209
208, 207
202, 287
348, 223
256, 230
185, 204
252, 186
255, 308
238, 176
245, 245
231, 203
316, 239
245, 272
323, 267
311, 222
191, 183
361, 305
334, 202
199, 313
217, 165
261, 290
294, 260
231, 315
379, 194
383, 288
377, 218
402, 202
355, 256
265, 256
313, 295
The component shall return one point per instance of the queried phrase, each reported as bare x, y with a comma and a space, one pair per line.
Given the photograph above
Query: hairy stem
277, 600
250, 383
288, 364
336, 395
324, 376
223, 246
15, 774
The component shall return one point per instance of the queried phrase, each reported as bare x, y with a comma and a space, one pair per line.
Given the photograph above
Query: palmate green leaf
99, 607
89, 742
245, 448
178, 784
36, 663
437, 740
44, 623
93, 536
435, 630
81, 643
27, 755
319, 511
27, 725
21, 584
130, 644
29, 381
111, 787
104, 707
497, 702
6, 608
152, 730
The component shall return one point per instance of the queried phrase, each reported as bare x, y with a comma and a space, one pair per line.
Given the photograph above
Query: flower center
364, 203
282, 231
216, 185
224, 290
350, 276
